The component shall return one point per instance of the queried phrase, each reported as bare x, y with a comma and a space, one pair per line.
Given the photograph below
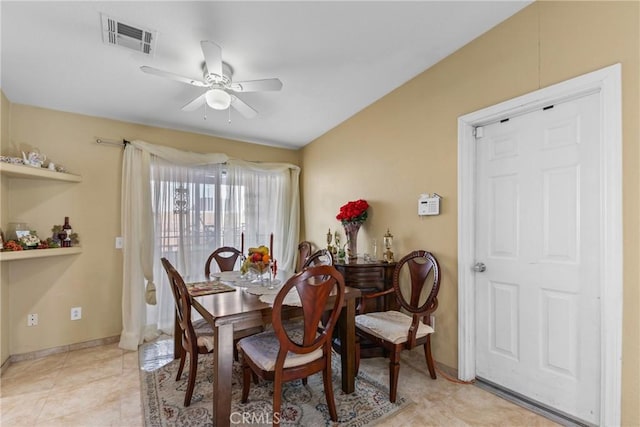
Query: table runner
198, 289
267, 294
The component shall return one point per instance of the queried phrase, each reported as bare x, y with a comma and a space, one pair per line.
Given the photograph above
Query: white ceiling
334, 58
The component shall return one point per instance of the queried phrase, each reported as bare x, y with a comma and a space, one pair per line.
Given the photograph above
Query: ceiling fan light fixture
218, 99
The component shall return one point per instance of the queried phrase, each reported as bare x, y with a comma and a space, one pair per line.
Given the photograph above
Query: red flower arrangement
354, 211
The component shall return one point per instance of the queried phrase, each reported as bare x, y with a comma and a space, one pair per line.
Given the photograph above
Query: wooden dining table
239, 310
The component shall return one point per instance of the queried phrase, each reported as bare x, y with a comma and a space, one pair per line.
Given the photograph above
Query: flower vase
351, 231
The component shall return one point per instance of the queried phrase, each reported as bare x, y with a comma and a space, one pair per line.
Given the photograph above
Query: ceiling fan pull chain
205, 111
229, 109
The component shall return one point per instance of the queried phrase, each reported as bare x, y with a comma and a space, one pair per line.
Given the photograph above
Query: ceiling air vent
117, 33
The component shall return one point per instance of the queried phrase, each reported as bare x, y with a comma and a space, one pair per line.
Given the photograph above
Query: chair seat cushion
391, 326
205, 341
205, 334
263, 350
202, 327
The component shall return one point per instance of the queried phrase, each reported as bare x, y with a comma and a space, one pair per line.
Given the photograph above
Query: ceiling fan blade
172, 76
212, 56
243, 108
195, 104
256, 85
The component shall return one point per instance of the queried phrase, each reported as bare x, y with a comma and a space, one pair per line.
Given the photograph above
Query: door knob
479, 267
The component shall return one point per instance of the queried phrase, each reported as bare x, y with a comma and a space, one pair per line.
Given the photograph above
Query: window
197, 209
194, 202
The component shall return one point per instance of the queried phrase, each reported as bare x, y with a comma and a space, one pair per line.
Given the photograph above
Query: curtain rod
122, 143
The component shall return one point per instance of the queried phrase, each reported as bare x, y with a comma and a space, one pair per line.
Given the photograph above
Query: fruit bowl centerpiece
257, 262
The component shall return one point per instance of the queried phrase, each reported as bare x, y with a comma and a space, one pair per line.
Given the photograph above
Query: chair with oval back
288, 352
305, 249
396, 331
226, 258
319, 257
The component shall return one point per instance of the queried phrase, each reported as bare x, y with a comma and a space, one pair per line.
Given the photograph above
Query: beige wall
93, 279
406, 144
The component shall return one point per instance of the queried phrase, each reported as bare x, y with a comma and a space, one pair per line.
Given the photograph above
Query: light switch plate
76, 313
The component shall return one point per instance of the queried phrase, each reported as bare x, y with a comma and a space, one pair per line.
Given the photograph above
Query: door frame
606, 82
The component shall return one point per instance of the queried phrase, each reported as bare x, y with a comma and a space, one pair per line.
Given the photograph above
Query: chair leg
247, 373
357, 358
394, 369
429, 357
304, 381
182, 358
328, 391
193, 368
277, 399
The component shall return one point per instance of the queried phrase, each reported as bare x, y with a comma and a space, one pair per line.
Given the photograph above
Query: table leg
222, 371
347, 333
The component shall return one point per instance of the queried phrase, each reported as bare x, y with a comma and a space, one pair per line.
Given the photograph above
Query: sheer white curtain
182, 206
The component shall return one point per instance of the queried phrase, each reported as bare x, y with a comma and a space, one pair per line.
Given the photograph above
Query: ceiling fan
221, 89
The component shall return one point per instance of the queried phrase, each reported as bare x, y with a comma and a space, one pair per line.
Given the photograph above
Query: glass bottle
373, 252
67, 230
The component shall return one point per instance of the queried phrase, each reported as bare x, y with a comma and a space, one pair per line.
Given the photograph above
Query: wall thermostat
429, 204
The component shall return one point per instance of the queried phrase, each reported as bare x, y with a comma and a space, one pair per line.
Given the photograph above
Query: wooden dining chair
197, 338
396, 331
319, 257
304, 250
226, 258
290, 352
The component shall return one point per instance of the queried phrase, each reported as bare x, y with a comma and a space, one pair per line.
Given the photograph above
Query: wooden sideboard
369, 277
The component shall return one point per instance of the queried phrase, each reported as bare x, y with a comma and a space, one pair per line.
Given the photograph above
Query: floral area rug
303, 405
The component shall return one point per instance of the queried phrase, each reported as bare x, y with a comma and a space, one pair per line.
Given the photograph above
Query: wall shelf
39, 253
30, 172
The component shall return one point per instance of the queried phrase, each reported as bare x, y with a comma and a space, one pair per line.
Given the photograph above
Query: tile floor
100, 386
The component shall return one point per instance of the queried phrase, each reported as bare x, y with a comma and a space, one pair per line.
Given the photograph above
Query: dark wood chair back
315, 286
424, 273
226, 258
419, 300
319, 257
182, 301
304, 250
192, 342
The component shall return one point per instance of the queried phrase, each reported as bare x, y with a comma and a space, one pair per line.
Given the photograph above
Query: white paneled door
538, 234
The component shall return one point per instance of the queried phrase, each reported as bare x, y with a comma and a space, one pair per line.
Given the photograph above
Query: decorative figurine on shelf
34, 159
388, 244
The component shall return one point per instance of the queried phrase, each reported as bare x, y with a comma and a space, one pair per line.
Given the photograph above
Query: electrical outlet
32, 319
432, 319
119, 242
76, 313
